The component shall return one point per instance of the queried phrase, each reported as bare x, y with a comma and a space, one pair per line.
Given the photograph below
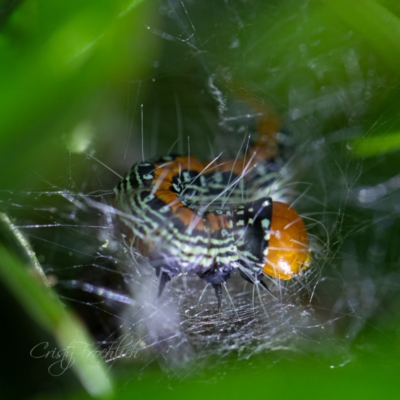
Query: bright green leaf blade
376, 145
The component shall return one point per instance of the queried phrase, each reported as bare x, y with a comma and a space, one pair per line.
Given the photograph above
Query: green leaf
376, 145
377, 24
45, 308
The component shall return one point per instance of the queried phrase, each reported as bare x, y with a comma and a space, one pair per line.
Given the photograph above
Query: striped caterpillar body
211, 220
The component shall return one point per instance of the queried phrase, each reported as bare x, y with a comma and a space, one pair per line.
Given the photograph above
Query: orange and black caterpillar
211, 220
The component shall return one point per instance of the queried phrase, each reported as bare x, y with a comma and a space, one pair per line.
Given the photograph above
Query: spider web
72, 226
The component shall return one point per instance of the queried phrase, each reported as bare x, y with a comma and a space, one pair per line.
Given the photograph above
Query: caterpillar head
288, 246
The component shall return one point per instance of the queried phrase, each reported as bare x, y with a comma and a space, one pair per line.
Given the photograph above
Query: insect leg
258, 280
218, 292
263, 285
217, 276
164, 279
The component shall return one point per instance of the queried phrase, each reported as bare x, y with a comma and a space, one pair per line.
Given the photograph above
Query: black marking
253, 235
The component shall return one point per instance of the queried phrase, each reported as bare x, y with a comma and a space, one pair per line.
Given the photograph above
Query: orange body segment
288, 249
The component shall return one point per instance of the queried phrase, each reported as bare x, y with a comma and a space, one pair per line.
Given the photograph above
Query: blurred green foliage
66, 65
55, 59
46, 310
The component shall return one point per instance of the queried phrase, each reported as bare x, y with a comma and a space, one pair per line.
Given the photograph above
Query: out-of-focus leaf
379, 26
53, 57
47, 310
376, 145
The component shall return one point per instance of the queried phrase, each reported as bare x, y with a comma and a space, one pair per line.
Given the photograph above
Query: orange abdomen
288, 248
